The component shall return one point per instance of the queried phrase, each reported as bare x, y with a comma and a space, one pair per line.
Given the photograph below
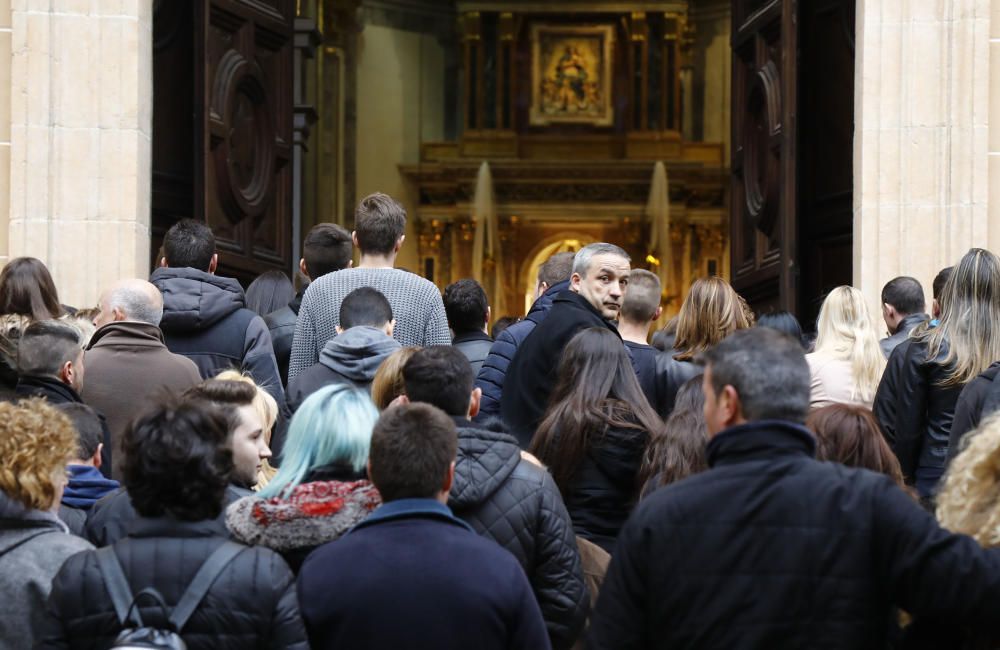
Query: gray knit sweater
416, 306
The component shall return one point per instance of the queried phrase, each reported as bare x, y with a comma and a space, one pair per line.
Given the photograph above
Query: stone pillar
922, 135
5, 34
81, 125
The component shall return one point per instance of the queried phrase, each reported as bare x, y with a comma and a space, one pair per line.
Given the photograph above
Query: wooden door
763, 203
222, 133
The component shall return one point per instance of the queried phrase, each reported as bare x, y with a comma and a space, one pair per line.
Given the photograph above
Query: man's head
554, 270
51, 348
130, 300
467, 307
441, 375
178, 460
901, 297
937, 289
246, 426
190, 243
755, 374
600, 274
327, 248
89, 431
379, 224
642, 302
413, 453
366, 307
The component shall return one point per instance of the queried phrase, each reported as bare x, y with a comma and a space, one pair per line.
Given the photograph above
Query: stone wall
5, 88
80, 129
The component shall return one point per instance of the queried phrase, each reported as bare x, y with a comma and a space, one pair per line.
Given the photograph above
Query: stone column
922, 136
81, 125
5, 34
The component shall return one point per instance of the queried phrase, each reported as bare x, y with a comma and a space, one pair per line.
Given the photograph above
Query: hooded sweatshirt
351, 358
86, 485
205, 319
33, 546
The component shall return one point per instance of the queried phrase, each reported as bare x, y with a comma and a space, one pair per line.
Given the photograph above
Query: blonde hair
969, 500
711, 311
846, 331
388, 384
970, 311
36, 441
267, 409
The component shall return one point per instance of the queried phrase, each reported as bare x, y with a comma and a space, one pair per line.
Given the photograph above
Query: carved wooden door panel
763, 203
245, 84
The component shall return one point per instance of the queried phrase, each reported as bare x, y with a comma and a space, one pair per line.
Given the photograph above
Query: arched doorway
564, 242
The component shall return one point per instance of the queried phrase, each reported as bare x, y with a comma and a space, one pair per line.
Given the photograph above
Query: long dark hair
679, 451
26, 288
269, 292
850, 435
596, 389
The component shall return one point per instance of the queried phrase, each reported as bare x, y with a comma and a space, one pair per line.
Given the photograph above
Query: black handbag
135, 634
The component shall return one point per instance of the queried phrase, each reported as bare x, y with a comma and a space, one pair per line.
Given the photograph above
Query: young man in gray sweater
379, 224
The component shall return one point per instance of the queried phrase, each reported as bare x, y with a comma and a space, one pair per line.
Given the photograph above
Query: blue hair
333, 425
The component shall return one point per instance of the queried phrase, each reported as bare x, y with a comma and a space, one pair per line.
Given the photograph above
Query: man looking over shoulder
594, 299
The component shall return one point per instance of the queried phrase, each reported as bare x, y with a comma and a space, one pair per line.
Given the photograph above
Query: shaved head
130, 300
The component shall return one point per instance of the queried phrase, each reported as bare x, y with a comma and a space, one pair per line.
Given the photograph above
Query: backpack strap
116, 584
202, 582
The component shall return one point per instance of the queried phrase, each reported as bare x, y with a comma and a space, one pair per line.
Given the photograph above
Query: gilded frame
571, 75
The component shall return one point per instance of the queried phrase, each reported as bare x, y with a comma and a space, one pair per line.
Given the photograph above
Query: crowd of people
365, 463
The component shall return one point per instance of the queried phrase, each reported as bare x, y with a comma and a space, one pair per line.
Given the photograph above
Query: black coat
772, 549
281, 325
979, 398
532, 373
660, 375
252, 604
57, 392
413, 576
475, 346
604, 489
112, 517
921, 412
517, 504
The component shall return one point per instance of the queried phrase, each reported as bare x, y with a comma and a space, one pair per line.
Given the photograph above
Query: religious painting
571, 75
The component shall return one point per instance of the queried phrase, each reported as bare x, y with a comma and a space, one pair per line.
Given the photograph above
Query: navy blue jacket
413, 576
491, 375
773, 549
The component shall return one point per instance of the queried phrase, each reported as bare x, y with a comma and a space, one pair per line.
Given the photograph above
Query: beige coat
832, 382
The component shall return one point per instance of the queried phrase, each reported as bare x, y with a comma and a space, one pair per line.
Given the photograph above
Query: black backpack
138, 635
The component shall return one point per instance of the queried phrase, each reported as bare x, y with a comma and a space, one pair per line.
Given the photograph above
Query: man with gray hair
770, 548
127, 361
594, 299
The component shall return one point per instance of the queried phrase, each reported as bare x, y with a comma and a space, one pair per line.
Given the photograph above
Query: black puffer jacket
252, 604
516, 503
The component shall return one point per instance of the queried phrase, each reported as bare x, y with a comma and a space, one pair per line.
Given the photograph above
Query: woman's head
267, 409
850, 435
36, 441
269, 292
388, 382
178, 460
679, 450
596, 389
970, 311
967, 502
26, 288
332, 427
846, 331
711, 311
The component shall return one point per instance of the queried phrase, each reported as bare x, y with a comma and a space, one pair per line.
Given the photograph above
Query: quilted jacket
252, 604
517, 504
494, 368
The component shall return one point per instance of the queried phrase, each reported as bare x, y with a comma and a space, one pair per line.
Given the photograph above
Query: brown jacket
126, 365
